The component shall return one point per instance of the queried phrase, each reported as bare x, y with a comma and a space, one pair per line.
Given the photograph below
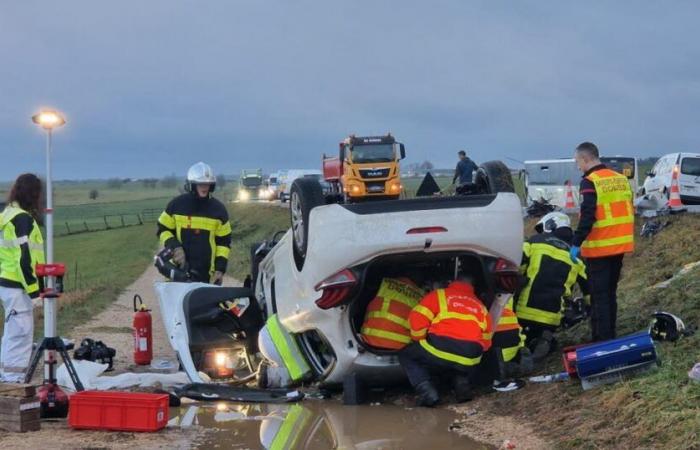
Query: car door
651, 184
689, 178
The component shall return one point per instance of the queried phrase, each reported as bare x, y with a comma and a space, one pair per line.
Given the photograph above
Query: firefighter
512, 356
605, 233
196, 228
21, 249
551, 275
386, 320
451, 329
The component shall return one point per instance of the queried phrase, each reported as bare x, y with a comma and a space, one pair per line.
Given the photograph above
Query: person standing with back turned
465, 169
605, 233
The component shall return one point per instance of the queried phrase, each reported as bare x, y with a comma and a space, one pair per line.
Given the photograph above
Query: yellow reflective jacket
21, 249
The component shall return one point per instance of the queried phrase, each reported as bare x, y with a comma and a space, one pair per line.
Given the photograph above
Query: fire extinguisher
143, 340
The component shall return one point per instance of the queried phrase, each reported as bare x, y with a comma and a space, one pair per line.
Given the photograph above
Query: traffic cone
569, 197
674, 199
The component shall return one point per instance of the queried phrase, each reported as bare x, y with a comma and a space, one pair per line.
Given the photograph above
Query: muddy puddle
319, 425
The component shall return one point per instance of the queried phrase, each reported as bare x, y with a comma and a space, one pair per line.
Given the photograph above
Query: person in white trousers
21, 249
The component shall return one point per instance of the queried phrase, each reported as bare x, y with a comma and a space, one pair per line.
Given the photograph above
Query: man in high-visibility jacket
386, 320
605, 233
21, 249
195, 226
451, 329
551, 275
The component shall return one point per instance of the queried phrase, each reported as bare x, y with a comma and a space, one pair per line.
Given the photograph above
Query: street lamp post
53, 401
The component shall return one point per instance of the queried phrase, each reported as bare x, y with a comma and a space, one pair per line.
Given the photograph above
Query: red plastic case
118, 411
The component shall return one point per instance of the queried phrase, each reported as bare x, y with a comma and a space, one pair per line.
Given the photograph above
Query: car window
691, 166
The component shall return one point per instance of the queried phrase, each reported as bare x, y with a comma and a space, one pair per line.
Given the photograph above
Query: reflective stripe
294, 423
442, 300
222, 251
510, 353
610, 242
508, 320
463, 360
165, 235
420, 309
288, 349
419, 333
200, 223
539, 315
459, 316
390, 317
166, 220
11, 243
386, 335
224, 230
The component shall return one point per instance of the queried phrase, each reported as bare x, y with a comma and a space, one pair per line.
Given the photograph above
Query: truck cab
366, 168
250, 185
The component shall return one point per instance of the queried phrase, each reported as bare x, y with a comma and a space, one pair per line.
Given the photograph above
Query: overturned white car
320, 276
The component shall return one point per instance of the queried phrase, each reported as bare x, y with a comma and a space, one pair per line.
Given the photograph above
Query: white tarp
90, 374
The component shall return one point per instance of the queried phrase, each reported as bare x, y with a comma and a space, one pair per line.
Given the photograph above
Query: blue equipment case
611, 361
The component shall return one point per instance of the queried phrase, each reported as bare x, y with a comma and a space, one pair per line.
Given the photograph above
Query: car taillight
507, 275
335, 288
424, 230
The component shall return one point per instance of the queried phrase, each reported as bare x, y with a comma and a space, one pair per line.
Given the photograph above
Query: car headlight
244, 195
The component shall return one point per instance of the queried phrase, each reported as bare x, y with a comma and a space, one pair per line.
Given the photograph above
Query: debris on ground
694, 373
540, 208
220, 392
652, 227
684, 271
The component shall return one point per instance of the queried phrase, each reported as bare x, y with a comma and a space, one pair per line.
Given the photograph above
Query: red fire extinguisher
143, 340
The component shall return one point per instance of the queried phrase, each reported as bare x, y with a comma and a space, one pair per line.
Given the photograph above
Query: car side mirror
402, 151
651, 174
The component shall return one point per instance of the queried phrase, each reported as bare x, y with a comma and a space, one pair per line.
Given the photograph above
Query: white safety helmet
200, 173
552, 221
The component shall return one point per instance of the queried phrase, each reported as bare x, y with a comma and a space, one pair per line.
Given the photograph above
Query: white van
546, 179
658, 181
290, 176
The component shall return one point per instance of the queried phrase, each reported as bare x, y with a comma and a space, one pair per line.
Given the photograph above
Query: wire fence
105, 222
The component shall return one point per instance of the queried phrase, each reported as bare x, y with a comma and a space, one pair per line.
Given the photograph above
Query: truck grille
374, 173
375, 188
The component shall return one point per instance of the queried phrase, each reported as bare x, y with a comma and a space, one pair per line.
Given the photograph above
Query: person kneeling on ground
386, 319
508, 345
551, 275
451, 329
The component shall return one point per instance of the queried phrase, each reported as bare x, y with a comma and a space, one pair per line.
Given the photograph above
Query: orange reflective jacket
455, 312
386, 320
613, 230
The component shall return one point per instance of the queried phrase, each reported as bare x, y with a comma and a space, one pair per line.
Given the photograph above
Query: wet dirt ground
314, 424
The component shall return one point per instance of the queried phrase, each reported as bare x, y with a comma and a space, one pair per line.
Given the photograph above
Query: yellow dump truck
365, 168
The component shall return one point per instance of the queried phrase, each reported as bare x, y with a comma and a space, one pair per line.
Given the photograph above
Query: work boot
427, 394
542, 346
527, 364
462, 388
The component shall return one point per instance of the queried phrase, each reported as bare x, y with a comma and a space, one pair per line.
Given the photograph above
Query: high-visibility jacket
447, 320
21, 249
551, 274
613, 230
288, 433
202, 228
508, 337
386, 320
287, 349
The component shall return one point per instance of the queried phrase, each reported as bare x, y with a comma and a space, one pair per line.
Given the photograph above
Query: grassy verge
107, 262
252, 222
659, 409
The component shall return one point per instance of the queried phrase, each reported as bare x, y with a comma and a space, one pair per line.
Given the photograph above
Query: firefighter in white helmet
551, 275
196, 227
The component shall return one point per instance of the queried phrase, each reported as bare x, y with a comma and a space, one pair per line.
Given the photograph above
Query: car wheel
305, 195
493, 177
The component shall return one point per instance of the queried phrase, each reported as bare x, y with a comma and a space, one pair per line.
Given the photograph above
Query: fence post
68, 227
86, 227
106, 224
75, 276
138, 216
122, 217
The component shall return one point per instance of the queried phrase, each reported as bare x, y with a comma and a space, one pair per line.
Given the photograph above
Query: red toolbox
118, 411
569, 358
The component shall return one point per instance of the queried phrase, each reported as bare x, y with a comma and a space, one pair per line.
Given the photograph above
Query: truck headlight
243, 195
395, 187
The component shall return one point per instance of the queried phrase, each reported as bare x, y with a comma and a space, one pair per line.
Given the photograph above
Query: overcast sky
150, 87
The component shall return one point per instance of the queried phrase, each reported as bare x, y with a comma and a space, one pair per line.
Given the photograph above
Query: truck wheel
493, 177
305, 195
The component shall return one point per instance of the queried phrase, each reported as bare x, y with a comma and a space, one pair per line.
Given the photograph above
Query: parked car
321, 274
658, 181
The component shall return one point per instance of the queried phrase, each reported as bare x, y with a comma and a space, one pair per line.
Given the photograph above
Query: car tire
305, 195
493, 177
